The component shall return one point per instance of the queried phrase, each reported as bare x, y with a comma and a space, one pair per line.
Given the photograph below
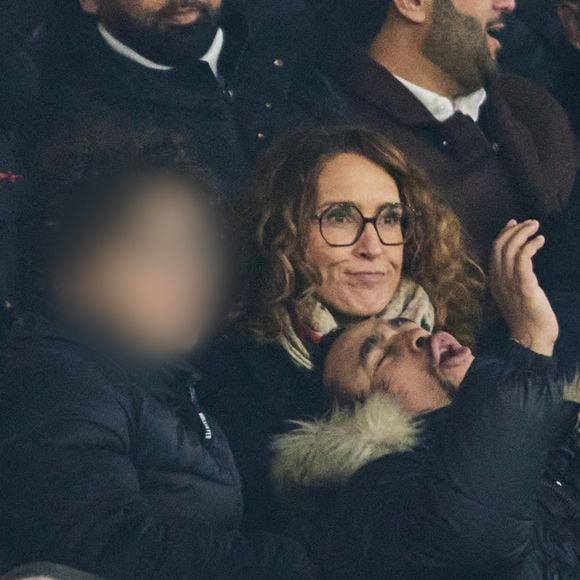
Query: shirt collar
443, 108
211, 57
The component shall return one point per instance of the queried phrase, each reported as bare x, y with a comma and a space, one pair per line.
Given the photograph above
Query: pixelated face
169, 32
358, 280
422, 371
153, 277
463, 39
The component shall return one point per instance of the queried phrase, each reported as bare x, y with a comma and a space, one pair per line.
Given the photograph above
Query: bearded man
218, 72
425, 73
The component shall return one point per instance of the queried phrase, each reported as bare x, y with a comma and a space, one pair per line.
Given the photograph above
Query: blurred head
421, 371
341, 215
169, 32
569, 13
121, 236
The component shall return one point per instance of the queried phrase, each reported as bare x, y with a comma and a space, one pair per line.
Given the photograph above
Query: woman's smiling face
358, 280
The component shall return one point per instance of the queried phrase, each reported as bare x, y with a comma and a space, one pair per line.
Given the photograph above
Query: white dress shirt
211, 57
443, 108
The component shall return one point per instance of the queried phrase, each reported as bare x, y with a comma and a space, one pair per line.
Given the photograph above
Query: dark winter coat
115, 469
254, 391
229, 122
461, 503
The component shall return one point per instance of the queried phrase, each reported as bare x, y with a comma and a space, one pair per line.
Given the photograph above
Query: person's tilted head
421, 371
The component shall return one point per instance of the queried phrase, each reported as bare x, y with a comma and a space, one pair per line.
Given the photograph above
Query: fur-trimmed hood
328, 451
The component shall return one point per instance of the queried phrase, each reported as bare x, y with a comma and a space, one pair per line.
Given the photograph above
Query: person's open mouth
494, 31
447, 352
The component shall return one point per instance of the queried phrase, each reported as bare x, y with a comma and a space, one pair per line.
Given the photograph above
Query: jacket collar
328, 451
356, 71
211, 57
88, 59
443, 108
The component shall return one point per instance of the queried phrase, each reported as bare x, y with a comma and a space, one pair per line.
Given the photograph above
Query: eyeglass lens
343, 224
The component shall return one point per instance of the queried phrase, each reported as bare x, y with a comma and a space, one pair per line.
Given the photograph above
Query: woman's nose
369, 245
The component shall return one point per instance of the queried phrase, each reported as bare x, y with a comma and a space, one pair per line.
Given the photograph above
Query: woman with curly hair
345, 229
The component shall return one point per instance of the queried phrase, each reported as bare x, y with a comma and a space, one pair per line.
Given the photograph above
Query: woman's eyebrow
328, 204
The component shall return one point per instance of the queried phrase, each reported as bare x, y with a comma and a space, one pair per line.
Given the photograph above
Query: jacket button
495, 147
445, 143
279, 63
269, 105
8, 305
261, 136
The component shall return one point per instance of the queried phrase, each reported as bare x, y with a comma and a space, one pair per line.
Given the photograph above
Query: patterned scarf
410, 301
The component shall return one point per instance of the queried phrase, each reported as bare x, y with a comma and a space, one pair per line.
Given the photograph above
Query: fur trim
330, 450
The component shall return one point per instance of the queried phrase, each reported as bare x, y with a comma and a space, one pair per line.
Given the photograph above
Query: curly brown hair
282, 199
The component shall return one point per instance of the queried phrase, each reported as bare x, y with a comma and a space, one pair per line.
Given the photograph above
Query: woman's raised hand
515, 288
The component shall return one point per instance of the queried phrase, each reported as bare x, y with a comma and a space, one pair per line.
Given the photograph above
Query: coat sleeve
469, 505
71, 494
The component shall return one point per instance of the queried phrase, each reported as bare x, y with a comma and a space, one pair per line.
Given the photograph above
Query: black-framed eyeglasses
342, 224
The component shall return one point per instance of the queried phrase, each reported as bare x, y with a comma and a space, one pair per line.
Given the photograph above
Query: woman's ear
569, 13
415, 11
90, 6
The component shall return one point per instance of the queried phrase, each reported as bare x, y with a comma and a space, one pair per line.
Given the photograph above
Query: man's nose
417, 339
369, 245
505, 5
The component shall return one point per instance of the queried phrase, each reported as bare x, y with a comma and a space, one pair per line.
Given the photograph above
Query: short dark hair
82, 177
331, 394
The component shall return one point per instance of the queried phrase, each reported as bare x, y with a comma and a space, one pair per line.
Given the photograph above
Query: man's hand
515, 288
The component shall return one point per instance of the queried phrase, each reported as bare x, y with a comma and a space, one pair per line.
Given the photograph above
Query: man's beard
162, 42
457, 44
